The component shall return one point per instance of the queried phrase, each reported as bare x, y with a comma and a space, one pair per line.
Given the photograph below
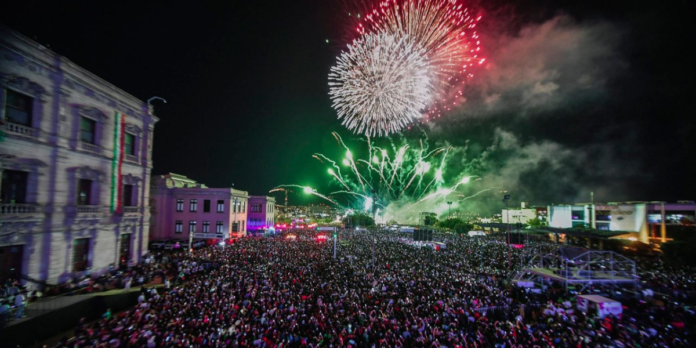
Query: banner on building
117, 162
560, 216
624, 217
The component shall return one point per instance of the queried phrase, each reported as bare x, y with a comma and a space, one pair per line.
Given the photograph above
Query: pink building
181, 206
261, 214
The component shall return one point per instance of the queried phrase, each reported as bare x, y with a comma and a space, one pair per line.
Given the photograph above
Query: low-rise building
182, 207
261, 214
523, 214
648, 220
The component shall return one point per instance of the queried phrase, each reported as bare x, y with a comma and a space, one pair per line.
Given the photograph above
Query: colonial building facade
75, 157
261, 213
182, 207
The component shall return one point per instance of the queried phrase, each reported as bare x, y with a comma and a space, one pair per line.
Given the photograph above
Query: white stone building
57, 164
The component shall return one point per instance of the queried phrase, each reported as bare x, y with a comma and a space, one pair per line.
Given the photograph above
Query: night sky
606, 107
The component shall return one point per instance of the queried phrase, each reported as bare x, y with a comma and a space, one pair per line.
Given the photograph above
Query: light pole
149, 102
449, 210
374, 204
506, 200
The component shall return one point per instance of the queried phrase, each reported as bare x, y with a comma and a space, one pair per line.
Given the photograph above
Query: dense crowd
277, 292
16, 297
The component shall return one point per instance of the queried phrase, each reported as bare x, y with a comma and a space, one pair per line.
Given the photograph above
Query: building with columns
75, 156
645, 221
182, 207
261, 213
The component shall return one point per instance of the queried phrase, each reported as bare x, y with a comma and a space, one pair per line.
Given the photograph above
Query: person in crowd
4, 313
19, 304
277, 292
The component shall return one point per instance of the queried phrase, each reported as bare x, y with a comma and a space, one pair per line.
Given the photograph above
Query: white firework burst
381, 84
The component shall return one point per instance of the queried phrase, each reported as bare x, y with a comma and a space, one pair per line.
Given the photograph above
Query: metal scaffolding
573, 265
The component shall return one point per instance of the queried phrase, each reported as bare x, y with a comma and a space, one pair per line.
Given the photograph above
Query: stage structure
579, 266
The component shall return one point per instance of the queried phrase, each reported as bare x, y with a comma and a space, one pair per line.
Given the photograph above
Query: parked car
198, 243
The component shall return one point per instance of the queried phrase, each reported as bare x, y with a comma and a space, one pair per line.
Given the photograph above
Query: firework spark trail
397, 163
478, 193
339, 179
395, 172
445, 192
350, 160
309, 190
369, 166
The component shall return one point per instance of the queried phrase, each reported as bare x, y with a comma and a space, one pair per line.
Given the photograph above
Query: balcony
9, 209
90, 209
132, 210
131, 158
90, 147
22, 130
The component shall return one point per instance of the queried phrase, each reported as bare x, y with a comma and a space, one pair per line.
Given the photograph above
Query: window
206, 226
14, 187
235, 226
84, 192
221, 206
129, 144
206, 206
243, 225
80, 254
128, 193
88, 128
179, 226
219, 227
18, 108
179, 205
244, 207
125, 249
193, 205
192, 226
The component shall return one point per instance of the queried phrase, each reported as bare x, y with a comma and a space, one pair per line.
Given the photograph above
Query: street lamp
149, 103
506, 200
449, 209
373, 230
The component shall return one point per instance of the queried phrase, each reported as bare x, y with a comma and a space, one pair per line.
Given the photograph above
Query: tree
358, 219
430, 219
392, 223
455, 224
449, 223
463, 227
536, 223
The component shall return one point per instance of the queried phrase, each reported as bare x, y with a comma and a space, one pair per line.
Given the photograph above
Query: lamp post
449, 210
374, 204
506, 200
149, 102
